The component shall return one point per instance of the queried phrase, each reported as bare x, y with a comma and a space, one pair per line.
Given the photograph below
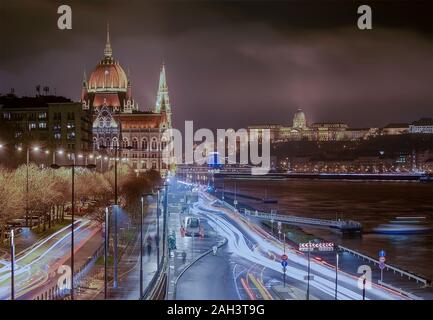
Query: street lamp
141, 247
164, 226
106, 244
116, 159
141, 243
336, 275
27, 178
12, 243
72, 166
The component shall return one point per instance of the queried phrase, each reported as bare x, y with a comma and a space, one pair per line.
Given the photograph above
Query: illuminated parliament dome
108, 85
108, 75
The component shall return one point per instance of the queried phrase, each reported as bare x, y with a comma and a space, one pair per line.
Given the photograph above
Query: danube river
370, 202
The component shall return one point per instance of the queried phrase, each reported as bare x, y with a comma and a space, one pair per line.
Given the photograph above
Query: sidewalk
128, 268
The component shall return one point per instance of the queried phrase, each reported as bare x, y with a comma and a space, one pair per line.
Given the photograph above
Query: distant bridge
342, 225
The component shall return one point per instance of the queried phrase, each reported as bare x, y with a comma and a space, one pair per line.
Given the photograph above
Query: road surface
252, 260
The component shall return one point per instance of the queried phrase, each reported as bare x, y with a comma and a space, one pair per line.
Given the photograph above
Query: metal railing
341, 224
387, 266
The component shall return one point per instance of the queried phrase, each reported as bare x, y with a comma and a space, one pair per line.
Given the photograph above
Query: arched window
163, 144
134, 143
124, 143
101, 143
108, 142
115, 144
95, 143
154, 145
144, 145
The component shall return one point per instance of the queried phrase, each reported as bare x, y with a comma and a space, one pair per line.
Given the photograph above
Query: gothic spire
107, 51
162, 99
162, 80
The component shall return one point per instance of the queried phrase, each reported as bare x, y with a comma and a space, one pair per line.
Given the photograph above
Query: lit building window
71, 135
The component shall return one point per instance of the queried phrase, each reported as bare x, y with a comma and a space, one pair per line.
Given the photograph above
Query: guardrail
340, 224
401, 291
387, 266
156, 287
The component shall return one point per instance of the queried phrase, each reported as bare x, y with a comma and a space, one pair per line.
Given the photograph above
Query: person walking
149, 245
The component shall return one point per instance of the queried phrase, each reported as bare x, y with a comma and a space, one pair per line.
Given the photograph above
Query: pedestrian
156, 241
149, 245
183, 256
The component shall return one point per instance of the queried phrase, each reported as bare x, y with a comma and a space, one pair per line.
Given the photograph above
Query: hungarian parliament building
118, 123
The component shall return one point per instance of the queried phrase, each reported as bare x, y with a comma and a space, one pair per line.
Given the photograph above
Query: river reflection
370, 202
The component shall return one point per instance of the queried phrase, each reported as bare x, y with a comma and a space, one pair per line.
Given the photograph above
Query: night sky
231, 64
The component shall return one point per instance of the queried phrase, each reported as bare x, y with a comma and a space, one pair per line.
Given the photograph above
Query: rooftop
12, 101
423, 122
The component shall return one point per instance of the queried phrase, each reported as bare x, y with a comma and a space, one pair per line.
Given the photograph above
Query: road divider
219, 245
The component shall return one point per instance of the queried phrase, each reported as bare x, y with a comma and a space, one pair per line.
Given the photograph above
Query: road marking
248, 289
263, 292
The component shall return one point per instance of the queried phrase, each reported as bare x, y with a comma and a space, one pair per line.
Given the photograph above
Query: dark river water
370, 202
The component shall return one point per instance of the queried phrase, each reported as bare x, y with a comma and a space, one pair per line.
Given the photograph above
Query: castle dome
299, 120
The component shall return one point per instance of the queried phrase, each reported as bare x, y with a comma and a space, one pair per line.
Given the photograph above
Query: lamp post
308, 276
336, 275
141, 247
12, 243
164, 225
157, 231
115, 273
106, 244
72, 166
116, 158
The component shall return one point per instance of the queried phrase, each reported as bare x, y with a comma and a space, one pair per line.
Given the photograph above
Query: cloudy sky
230, 64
